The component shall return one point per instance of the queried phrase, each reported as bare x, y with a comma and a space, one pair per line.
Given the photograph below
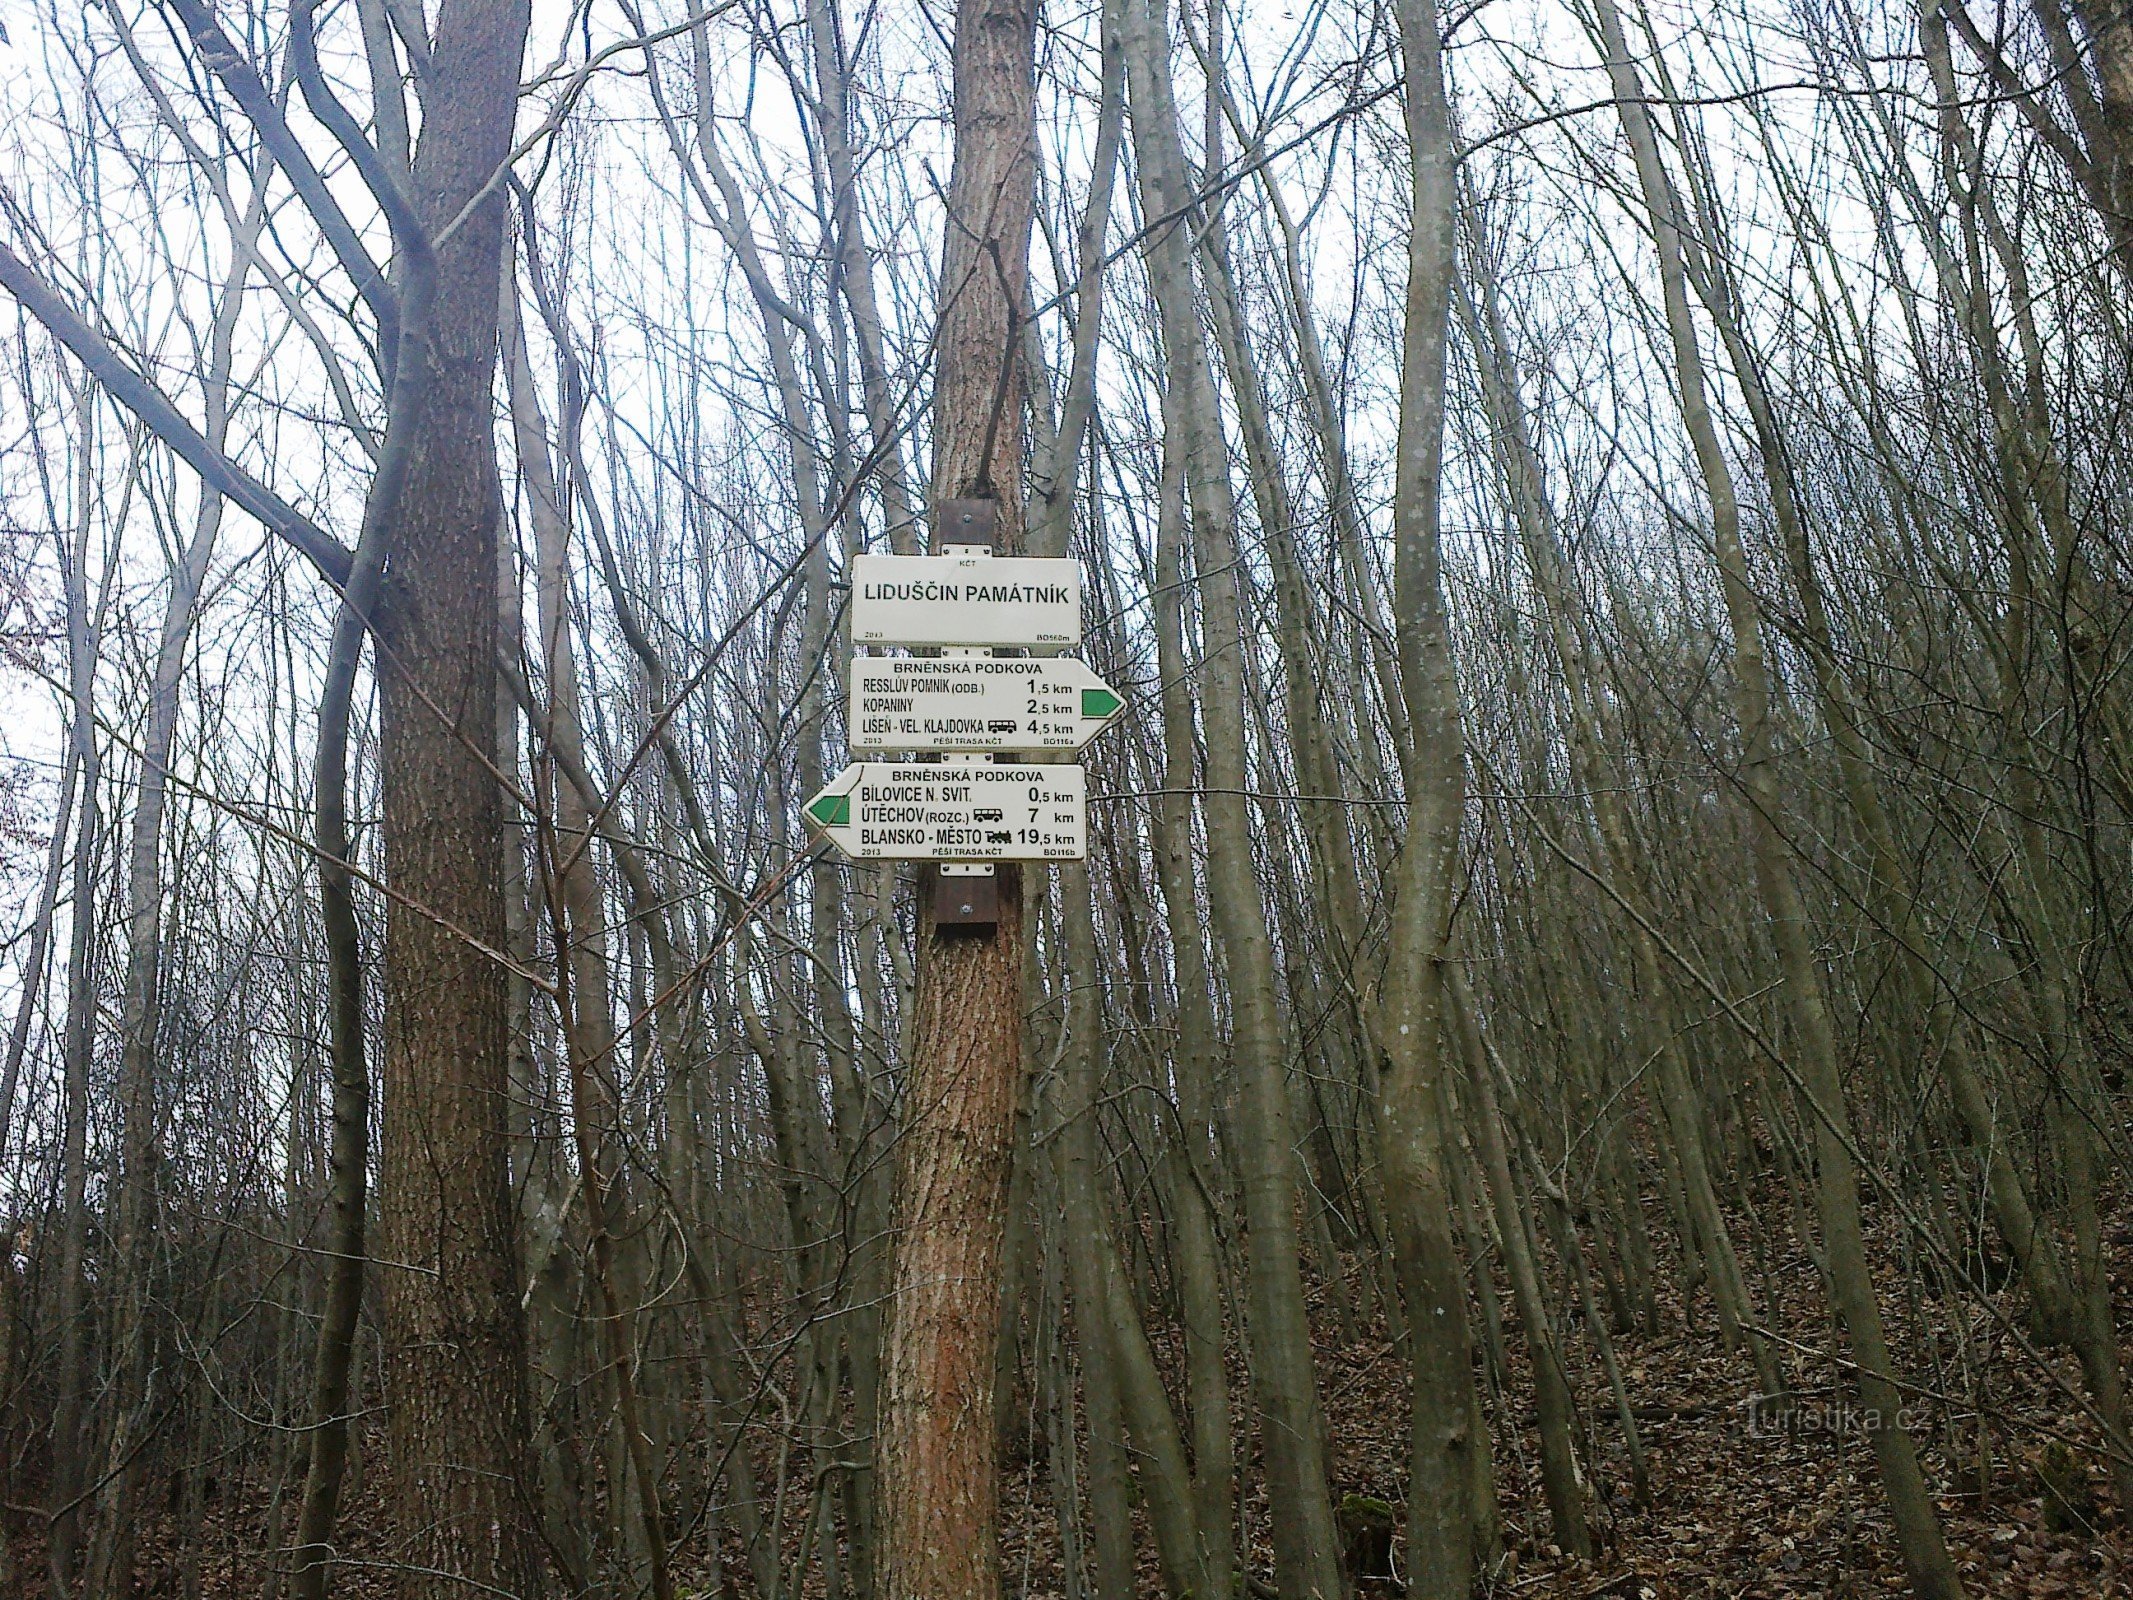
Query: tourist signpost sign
970, 600
955, 811
960, 708
977, 703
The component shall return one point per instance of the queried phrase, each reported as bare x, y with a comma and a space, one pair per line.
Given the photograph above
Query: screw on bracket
964, 524
966, 900
966, 895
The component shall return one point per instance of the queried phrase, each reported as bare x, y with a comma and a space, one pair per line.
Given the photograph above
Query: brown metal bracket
966, 902
968, 522
970, 898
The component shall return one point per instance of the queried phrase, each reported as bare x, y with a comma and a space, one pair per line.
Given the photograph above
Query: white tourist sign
960, 811
977, 703
970, 600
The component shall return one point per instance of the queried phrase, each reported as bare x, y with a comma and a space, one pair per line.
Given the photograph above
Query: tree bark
1306, 1543
72, 1378
1410, 1019
455, 1349
1562, 1479
936, 1477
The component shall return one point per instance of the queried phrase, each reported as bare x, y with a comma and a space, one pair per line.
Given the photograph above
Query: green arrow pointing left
831, 810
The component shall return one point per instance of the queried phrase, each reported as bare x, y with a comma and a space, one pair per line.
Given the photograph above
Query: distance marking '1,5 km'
977, 703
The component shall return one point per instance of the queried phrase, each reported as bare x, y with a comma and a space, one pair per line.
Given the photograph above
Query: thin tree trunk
1306, 1544
1708, 1235
577, 909
140, 1014
71, 1386
1410, 1020
33, 966
1925, 1554
1097, 1325
1562, 1479
1192, 979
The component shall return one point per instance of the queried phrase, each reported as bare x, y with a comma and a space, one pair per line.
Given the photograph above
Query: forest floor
1746, 1501
1743, 1504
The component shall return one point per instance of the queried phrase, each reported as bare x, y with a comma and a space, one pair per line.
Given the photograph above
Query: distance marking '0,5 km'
887, 811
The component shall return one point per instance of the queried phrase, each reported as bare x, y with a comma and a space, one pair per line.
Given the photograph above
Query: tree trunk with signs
936, 1438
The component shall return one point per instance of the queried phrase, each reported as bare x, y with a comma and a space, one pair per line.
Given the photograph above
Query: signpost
976, 703
967, 600
955, 811
962, 811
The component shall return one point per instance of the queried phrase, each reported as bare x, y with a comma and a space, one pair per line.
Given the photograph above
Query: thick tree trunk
454, 1341
935, 1469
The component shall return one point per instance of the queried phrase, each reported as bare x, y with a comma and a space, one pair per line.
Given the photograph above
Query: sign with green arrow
955, 811
977, 703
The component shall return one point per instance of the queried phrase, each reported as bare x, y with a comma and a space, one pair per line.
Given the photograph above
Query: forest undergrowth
1748, 1499
1755, 1501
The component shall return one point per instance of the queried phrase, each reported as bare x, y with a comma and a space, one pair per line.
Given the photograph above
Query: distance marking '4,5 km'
977, 703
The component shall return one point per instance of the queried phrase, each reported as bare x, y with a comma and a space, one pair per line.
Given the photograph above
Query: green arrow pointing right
1096, 704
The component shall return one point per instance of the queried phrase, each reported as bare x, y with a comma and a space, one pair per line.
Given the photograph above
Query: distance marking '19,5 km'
885, 811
